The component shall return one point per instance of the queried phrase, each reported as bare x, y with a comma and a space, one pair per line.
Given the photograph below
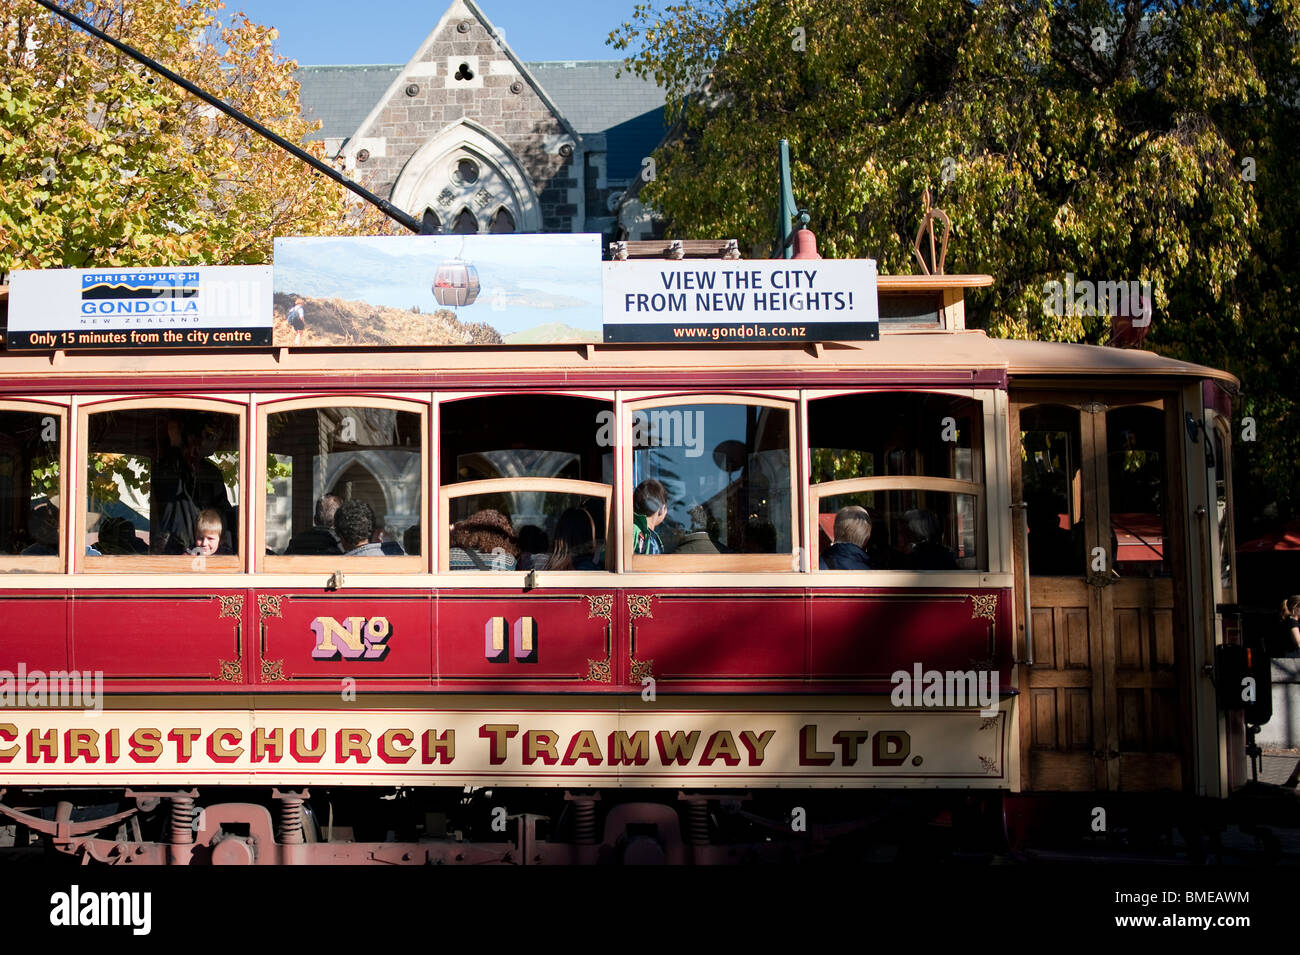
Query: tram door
1100, 701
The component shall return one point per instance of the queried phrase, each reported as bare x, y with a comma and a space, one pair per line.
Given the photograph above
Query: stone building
470, 138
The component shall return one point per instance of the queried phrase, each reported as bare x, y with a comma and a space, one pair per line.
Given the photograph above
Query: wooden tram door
1100, 703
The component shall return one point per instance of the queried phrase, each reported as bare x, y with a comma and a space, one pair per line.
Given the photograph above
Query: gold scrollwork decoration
600, 605
988, 723
598, 671
268, 605
638, 605
641, 669
230, 672
273, 671
232, 605
990, 765
984, 605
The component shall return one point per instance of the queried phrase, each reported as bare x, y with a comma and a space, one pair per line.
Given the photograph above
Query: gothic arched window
430, 224
502, 222
465, 223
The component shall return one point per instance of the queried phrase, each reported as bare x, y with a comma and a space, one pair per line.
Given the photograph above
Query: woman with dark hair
575, 542
649, 508
483, 541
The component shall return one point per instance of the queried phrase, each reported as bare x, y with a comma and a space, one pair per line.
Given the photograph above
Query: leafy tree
102, 162
1135, 141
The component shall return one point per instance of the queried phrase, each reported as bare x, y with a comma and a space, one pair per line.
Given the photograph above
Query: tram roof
956, 355
970, 352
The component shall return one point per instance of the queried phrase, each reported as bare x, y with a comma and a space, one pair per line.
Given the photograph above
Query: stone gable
462, 72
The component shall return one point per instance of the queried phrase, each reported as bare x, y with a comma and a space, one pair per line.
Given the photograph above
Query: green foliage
1052, 152
109, 473
45, 478
837, 464
278, 468
105, 163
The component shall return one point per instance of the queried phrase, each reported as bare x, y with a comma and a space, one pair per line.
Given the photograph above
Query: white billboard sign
770, 300
196, 307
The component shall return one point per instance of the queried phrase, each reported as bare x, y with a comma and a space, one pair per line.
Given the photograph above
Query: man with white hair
852, 531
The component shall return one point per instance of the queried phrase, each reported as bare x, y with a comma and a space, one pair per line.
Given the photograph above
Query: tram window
1136, 466
712, 481
527, 530
1050, 469
518, 436
905, 530
897, 478
163, 482
896, 433
30, 490
525, 479
343, 481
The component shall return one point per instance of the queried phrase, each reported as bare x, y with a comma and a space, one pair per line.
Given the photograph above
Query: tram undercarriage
444, 826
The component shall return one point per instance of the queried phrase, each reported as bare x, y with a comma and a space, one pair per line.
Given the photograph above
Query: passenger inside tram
534, 547
29, 484
322, 457
117, 536
43, 525
852, 531
649, 508
320, 539
575, 542
699, 539
927, 551
483, 541
208, 535
355, 523
185, 481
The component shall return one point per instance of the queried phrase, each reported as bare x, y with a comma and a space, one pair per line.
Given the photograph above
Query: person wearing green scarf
649, 508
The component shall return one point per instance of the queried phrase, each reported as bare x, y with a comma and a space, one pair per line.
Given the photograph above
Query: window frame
158, 563
449, 492
420, 404
443, 511
10, 563
992, 539
1221, 428
900, 483
709, 563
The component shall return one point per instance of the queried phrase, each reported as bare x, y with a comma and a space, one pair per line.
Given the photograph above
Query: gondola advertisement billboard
188, 307
438, 290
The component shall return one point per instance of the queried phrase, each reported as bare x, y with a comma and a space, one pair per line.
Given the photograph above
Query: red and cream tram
1033, 613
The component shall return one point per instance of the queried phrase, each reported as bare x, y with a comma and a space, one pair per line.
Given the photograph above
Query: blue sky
389, 31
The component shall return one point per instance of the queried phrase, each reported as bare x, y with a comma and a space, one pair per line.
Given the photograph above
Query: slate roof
627, 110
342, 96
